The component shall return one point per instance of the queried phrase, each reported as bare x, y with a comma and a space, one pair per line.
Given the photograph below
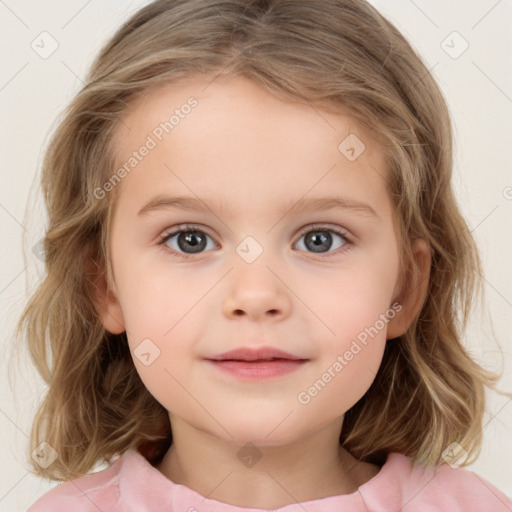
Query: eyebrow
303, 205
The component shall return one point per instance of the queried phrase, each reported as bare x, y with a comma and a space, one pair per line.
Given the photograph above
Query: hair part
334, 54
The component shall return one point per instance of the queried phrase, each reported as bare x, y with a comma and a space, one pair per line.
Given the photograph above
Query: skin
254, 153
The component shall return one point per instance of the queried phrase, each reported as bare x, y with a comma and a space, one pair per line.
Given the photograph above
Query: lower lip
258, 370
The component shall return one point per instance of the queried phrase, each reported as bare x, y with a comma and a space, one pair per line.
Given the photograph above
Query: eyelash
316, 227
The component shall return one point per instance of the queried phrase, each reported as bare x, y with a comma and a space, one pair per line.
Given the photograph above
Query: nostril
241, 312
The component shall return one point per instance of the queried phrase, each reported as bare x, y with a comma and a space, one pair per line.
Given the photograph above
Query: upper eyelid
319, 226
184, 228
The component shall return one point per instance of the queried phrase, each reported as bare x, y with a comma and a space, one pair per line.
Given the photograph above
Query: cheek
163, 324
347, 367
350, 301
156, 298
342, 384
354, 310
164, 363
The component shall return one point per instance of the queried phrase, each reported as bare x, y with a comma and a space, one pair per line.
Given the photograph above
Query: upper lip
254, 354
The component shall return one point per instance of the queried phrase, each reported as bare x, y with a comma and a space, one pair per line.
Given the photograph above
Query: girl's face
272, 253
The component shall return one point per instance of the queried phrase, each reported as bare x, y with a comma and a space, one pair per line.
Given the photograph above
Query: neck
266, 477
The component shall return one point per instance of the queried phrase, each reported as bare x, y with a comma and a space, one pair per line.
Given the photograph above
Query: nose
256, 292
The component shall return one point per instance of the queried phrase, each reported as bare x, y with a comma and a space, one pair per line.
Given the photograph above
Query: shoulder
423, 488
465, 490
92, 492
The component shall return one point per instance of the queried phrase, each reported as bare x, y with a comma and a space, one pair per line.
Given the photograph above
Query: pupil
191, 239
320, 240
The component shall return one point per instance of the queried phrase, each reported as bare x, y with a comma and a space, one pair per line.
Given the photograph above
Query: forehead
231, 137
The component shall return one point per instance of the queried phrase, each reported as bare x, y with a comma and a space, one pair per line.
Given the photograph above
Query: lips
254, 354
264, 363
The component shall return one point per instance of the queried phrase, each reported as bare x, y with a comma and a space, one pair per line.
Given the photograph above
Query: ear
412, 290
106, 302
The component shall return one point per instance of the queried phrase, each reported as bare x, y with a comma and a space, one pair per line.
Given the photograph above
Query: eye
322, 239
188, 239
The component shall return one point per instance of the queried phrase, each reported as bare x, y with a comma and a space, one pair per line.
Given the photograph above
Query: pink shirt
132, 484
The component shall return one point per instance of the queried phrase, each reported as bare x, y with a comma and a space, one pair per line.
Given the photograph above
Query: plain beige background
466, 46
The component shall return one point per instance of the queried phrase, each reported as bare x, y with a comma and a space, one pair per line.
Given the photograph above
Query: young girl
257, 274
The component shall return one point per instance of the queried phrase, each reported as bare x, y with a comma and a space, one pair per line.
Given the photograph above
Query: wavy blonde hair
332, 54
